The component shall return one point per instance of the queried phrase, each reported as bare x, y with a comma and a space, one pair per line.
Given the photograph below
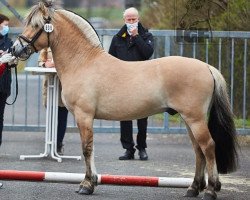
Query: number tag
48, 28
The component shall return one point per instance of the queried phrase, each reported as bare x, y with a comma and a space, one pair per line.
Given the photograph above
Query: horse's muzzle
21, 52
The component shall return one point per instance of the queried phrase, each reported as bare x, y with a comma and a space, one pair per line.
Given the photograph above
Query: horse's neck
71, 50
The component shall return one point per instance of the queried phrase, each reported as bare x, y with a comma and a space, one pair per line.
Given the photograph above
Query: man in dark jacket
133, 43
5, 76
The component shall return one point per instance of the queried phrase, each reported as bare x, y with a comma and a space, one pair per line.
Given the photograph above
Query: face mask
5, 30
131, 26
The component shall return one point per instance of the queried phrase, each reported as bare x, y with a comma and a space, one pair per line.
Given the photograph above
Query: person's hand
134, 31
49, 63
6, 58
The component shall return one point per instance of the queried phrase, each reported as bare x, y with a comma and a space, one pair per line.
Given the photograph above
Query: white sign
48, 28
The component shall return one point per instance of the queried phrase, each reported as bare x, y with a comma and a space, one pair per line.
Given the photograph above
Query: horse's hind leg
206, 144
199, 182
86, 133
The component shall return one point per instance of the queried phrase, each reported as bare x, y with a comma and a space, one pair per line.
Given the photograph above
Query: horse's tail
221, 126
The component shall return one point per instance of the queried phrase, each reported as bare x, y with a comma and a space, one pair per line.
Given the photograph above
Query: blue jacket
5, 79
129, 48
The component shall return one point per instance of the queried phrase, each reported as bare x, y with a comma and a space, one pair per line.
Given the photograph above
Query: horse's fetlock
86, 183
202, 185
211, 182
195, 185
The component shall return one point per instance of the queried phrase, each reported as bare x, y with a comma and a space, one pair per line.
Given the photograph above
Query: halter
31, 42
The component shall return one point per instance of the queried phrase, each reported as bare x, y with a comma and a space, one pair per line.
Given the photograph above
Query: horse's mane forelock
35, 16
83, 25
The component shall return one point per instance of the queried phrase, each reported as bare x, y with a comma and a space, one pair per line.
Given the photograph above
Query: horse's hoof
191, 193
209, 196
217, 186
85, 190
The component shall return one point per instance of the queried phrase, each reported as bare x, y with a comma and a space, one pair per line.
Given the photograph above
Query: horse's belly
121, 112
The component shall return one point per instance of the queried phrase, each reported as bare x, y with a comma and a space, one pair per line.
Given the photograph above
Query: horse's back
149, 87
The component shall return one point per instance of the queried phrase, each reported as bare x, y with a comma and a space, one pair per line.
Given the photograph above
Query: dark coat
5, 79
138, 48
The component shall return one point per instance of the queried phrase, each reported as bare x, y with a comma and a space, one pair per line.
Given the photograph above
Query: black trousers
62, 124
3, 98
127, 134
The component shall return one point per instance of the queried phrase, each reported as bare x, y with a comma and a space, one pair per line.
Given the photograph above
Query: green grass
176, 120
239, 123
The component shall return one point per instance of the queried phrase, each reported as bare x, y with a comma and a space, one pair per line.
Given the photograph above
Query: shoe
128, 155
143, 154
1, 185
60, 149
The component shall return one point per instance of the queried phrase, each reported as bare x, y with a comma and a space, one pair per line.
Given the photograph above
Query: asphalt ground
169, 156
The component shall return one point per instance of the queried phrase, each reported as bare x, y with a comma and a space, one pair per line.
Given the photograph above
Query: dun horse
98, 86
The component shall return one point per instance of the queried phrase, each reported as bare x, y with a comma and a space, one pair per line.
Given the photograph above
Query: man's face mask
131, 26
5, 30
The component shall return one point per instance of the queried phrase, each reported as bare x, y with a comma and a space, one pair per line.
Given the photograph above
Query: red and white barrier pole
102, 179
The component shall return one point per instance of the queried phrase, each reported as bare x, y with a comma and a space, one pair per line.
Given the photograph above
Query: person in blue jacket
133, 43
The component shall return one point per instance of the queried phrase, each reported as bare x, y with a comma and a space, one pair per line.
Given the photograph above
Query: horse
96, 85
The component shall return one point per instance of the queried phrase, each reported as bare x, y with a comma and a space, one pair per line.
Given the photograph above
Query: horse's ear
45, 5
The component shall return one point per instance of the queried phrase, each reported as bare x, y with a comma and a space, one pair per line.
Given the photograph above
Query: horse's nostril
13, 51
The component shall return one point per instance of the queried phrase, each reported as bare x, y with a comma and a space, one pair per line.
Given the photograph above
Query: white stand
51, 116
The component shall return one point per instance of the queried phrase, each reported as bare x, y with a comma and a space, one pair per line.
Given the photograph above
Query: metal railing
228, 51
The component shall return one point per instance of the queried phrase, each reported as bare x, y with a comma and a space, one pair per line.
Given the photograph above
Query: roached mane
36, 19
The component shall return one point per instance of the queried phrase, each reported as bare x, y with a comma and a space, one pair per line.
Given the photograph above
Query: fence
226, 50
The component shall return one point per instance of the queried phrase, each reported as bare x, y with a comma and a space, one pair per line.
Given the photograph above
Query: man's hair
3, 18
130, 10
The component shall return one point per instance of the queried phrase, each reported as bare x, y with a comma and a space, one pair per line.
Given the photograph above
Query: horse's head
37, 30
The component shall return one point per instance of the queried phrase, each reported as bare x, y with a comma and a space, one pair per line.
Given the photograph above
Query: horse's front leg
86, 133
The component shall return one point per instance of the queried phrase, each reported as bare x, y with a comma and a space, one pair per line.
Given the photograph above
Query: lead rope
16, 88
